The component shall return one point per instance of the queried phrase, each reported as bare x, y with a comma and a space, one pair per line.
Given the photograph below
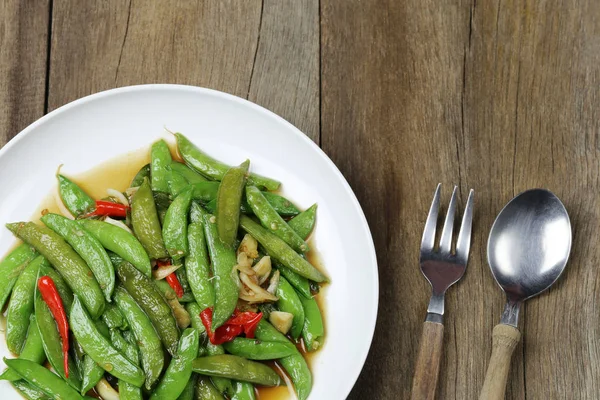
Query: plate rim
372, 321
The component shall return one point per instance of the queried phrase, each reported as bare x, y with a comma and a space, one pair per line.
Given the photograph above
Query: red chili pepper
110, 209
174, 283
52, 299
245, 322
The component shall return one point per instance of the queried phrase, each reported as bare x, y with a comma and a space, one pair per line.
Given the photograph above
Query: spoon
528, 249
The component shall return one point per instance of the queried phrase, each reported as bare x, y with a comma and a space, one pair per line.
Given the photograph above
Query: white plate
94, 129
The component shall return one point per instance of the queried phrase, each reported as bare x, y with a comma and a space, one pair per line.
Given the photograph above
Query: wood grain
427, 366
23, 43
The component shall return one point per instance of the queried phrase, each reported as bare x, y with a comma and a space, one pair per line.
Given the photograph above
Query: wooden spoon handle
504, 340
428, 362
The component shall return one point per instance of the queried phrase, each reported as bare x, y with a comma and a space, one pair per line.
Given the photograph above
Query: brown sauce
117, 173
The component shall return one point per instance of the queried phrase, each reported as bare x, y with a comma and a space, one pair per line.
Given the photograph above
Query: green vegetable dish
193, 283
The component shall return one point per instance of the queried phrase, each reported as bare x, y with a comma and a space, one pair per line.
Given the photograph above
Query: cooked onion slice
117, 195
252, 292
262, 269
164, 270
249, 245
118, 223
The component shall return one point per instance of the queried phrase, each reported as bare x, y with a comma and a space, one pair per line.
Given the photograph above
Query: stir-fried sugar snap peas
71, 266
160, 164
312, 331
162, 201
189, 389
168, 292
33, 350
120, 242
279, 250
299, 283
180, 369
43, 379
152, 302
197, 266
100, 349
88, 247
205, 390
229, 199
243, 391
272, 221
114, 318
174, 230
254, 349
91, 373
143, 173
304, 222
51, 341
145, 222
151, 353
212, 168
11, 267
185, 171
28, 391
283, 206
289, 302
238, 368
177, 183
205, 191
20, 306
295, 365
223, 260
74, 198
127, 391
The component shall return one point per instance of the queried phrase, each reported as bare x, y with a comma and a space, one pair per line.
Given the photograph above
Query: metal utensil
442, 268
528, 249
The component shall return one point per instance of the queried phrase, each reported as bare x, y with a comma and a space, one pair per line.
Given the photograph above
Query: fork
442, 268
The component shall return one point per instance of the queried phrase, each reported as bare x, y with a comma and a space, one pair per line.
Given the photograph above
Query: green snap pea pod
183, 279
304, 222
205, 191
312, 330
190, 175
279, 250
273, 221
88, 247
299, 283
188, 391
11, 267
208, 166
144, 172
162, 201
254, 349
73, 197
180, 369
205, 390
224, 385
238, 368
197, 267
43, 378
127, 391
243, 391
20, 306
151, 353
100, 349
52, 343
102, 328
168, 292
289, 302
223, 260
295, 365
160, 165
121, 242
174, 230
33, 350
229, 198
114, 318
91, 374
145, 222
27, 390
283, 206
147, 295
197, 213
177, 183
71, 266
64, 291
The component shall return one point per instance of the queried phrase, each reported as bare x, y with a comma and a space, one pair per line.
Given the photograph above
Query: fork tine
428, 240
446, 239
464, 236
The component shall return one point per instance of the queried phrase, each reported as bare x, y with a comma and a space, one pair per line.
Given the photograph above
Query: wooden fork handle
504, 340
428, 362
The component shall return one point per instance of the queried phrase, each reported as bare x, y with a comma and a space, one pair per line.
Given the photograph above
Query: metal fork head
442, 267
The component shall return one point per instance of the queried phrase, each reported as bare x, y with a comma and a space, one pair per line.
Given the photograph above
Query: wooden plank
23, 43
285, 76
101, 45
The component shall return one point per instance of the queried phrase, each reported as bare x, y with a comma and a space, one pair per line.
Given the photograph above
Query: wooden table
499, 96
